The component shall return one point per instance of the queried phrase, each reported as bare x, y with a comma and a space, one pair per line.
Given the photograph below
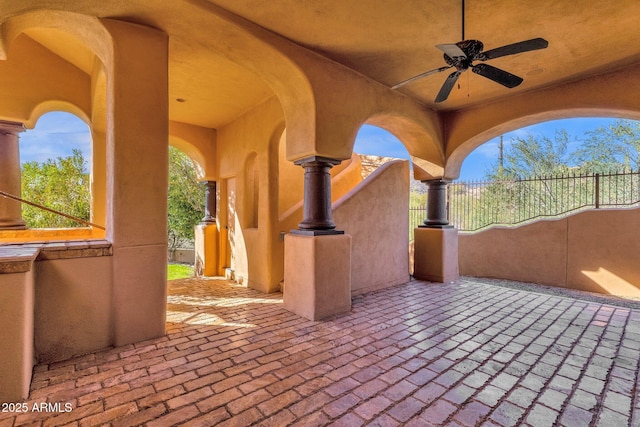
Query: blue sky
373, 140
57, 134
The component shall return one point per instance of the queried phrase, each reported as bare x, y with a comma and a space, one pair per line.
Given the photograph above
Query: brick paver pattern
459, 354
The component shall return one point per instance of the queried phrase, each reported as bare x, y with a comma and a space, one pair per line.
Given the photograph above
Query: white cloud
376, 141
55, 135
488, 149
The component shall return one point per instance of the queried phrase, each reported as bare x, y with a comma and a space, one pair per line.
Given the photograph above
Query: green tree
610, 148
532, 156
513, 197
186, 199
62, 185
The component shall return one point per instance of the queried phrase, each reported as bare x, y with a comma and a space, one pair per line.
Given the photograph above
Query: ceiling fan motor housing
471, 49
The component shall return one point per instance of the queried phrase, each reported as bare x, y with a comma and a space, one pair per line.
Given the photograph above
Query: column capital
11, 128
317, 161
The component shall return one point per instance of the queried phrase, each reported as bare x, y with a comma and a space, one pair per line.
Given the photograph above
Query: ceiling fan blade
452, 50
497, 75
419, 76
511, 49
445, 90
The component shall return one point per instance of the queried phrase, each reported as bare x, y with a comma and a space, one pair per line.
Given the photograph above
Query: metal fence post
597, 191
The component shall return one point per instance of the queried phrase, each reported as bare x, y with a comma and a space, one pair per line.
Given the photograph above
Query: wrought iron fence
477, 205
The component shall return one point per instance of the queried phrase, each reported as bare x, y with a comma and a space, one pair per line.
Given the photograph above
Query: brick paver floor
460, 354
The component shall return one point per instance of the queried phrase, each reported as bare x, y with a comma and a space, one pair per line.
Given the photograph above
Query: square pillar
436, 254
207, 236
206, 247
317, 275
137, 165
17, 320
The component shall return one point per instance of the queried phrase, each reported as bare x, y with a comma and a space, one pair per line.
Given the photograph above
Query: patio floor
460, 354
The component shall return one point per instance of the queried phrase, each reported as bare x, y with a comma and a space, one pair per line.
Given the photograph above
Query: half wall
594, 251
374, 213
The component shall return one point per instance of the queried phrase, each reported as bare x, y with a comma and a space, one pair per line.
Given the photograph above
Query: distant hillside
370, 163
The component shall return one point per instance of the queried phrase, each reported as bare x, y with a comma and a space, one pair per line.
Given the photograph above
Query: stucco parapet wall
40, 235
18, 258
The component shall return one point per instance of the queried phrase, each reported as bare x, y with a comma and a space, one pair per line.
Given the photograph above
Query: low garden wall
183, 256
595, 251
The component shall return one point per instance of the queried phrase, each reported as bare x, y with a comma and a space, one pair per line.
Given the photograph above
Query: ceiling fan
461, 55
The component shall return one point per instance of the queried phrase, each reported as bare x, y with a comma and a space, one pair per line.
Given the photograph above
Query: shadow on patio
460, 354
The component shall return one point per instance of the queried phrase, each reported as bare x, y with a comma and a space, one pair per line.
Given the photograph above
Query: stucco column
10, 210
436, 242
137, 164
317, 218
436, 204
317, 258
99, 178
207, 236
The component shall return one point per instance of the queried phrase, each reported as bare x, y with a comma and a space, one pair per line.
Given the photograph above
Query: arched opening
56, 165
376, 141
53, 87
564, 195
548, 170
386, 193
185, 204
478, 165
378, 146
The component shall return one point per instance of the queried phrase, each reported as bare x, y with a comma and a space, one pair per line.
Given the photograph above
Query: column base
317, 275
206, 249
436, 254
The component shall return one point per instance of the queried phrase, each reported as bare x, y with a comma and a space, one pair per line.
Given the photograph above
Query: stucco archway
129, 63
455, 160
613, 94
199, 144
420, 140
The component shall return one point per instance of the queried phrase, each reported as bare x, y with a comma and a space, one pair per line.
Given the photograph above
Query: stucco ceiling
391, 41
388, 41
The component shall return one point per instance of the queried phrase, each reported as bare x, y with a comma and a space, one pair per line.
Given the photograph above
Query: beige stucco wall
252, 159
317, 275
344, 177
251, 141
35, 81
374, 213
595, 251
16, 335
291, 182
73, 307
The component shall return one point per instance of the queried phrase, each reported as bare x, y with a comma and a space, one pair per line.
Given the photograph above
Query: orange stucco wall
73, 307
16, 334
124, 93
374, 213
595, 251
